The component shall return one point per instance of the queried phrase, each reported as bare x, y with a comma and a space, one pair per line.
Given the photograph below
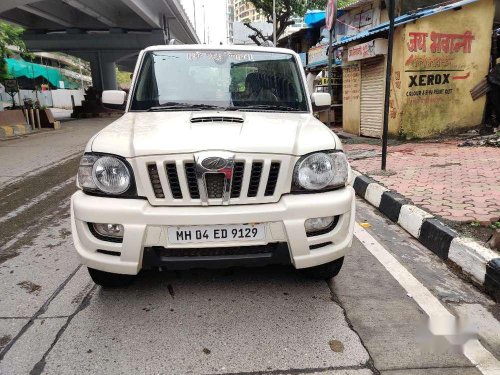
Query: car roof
208, 47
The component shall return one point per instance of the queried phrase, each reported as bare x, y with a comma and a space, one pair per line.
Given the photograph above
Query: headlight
85, 172
321, 170
104, 173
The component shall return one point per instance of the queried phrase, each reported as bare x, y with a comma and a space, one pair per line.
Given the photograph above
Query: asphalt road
371, 319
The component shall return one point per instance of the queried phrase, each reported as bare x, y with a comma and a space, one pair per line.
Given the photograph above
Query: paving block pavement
461, 184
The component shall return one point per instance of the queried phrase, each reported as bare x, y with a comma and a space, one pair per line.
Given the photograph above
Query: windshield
229, 80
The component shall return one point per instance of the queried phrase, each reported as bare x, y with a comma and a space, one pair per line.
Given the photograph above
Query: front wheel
326, 271
110, 280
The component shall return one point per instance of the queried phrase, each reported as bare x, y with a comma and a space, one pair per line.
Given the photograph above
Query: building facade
245, 11
440, 54
437, 59
230, 21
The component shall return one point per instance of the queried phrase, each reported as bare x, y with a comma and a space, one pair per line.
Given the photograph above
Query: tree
123, 78
285, 10
10, 35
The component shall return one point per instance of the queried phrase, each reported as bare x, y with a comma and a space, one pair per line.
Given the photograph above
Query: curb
84, 115
480, 264
7, 131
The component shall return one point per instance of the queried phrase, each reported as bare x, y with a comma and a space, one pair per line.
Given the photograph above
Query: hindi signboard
317, 54
366, 50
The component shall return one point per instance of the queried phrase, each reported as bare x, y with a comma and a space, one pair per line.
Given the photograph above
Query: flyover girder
64, 14
103, 32
88, 14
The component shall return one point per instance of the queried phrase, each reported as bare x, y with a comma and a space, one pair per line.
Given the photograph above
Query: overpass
102, 32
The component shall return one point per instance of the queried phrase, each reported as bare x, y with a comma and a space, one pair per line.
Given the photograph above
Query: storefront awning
398, 21
317, 18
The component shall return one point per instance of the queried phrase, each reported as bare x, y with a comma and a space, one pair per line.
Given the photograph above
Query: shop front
363, 87
438, 58
438, 61
318, 68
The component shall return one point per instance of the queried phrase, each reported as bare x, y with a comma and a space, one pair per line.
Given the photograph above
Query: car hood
161, 133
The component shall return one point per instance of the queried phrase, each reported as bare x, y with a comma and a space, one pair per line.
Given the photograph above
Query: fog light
109, 230
318, 223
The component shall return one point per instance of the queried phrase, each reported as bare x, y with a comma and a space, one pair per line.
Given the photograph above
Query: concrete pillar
95, 72
109, 75
103, 73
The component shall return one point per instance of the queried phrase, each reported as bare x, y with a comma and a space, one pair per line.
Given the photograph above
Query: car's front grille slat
272, 180
238, 173
192, 181
253, 185
154, 177
173, 180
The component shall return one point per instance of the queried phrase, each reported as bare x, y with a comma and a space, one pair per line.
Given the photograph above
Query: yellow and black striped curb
7, 131
480, 264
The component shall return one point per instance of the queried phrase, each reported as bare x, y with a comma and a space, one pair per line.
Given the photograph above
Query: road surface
371, 319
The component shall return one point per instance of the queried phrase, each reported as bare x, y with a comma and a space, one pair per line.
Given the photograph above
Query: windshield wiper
276, 107
174, 106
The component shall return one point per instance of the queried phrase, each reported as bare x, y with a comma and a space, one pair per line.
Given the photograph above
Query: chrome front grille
247, 179
214, 183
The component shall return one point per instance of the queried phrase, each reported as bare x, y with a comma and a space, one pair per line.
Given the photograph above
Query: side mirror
115, 97
321, 101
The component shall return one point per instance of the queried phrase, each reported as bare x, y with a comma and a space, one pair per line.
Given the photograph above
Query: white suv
218, 161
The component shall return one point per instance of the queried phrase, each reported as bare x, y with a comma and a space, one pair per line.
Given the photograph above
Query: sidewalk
24, 156
22, 128
459, 184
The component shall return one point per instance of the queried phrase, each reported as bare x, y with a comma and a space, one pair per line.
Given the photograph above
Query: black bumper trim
219, 257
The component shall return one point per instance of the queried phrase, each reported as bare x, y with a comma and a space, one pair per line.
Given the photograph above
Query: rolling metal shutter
372, 96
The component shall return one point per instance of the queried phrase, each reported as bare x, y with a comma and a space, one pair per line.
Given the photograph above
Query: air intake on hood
216, 119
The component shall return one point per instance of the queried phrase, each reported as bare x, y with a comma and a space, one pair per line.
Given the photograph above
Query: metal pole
33, 77
38, 122
387, 85
48, 83
194, 15
204, 26
81, 75
274, 23
330, 64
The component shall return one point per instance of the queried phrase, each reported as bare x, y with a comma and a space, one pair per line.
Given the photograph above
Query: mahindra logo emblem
214, 163
220, 162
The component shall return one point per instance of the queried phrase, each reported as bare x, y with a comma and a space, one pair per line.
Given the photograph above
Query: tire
325, 271
110, 280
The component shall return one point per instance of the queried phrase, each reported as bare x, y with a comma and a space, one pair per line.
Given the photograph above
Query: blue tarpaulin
316, 18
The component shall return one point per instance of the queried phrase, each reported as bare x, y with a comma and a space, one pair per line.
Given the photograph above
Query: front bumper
146, 227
